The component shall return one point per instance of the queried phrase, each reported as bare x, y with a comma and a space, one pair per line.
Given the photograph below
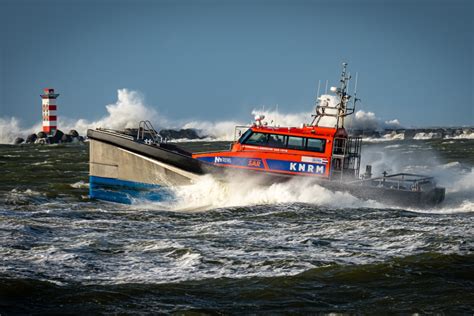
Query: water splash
210, 193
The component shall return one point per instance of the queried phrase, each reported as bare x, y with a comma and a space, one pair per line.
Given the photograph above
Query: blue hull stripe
296, 166
121, 183
126, 192
234, 161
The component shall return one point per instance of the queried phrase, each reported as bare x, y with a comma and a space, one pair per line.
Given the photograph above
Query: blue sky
220, 59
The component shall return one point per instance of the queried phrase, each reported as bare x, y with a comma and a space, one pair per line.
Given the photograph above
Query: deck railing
145, 127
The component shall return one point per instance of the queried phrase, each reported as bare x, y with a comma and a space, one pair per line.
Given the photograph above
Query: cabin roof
297, 131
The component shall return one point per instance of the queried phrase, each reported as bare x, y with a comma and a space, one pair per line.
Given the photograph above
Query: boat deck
196, 147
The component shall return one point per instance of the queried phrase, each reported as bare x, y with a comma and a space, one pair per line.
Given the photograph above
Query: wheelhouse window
277, 141
316, 144
246, 135
259, 139
295, 142
283, 141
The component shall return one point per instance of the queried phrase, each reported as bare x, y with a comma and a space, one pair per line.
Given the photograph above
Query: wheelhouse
284, 141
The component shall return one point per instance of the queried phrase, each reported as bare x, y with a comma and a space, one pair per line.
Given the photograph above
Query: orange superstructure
314, 149
305, 151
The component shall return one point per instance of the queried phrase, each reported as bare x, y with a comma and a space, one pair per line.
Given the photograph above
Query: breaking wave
130, 108
464, 135
209, 193
10, 128
427, 136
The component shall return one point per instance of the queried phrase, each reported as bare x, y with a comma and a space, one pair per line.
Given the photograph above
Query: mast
342, 108
342, 93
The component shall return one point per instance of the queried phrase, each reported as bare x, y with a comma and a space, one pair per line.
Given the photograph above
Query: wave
126, 112
369, 121
464, 135
385, 138
130, 108
208, 192
431, 135
439, 280
11, 128
79, 185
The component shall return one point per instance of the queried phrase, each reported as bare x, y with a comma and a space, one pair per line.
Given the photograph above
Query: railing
402, 181
239, 131
147, 127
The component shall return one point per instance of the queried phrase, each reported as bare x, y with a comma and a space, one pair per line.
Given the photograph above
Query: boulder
73, 133
18, 141
66, 138
187, 133
42, 135
56, 137
31, 139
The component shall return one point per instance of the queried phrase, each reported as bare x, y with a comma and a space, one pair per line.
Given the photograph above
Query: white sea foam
431, 135
369, 121
385, 138
209, 193
459, 189
464, 135
27, 192
464, 183
79, 185
45, 162
449, 165
10, 128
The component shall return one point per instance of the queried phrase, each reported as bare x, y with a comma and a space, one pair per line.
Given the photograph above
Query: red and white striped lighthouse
50, 118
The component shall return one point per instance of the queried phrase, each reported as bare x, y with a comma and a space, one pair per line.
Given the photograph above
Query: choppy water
289, 248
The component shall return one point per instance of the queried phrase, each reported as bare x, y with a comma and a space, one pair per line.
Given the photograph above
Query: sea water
235, 248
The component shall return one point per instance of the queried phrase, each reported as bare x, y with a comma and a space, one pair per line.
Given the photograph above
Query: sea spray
130, 108
10, 128
209, 193
126, 112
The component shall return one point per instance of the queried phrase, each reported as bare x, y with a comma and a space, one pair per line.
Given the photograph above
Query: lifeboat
125, 166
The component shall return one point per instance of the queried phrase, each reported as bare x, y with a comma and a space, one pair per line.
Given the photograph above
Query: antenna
355, 91
276, 106
355, 88
348, 82
349, 77
319, 87
326, 91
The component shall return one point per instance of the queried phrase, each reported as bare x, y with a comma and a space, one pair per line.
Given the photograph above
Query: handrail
148, 127
239, 129
399, 178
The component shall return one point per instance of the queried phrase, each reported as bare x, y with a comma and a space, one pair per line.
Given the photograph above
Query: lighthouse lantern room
50, 121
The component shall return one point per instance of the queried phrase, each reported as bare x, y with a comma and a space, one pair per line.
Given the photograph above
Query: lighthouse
50, 121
